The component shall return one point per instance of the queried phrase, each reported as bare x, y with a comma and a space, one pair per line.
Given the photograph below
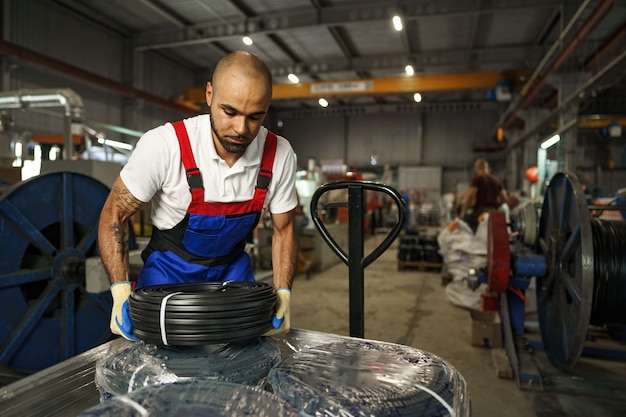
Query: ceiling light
247, 40
553, 140
397, 23
115, 144
323, 102
293, 78
417, 97
409, 70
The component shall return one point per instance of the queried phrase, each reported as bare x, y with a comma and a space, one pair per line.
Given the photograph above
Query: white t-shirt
155, 172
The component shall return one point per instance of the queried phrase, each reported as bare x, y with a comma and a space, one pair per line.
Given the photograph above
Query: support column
567, 83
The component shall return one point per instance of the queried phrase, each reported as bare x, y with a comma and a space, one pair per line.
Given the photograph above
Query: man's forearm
284, 251
113, 242
113, 233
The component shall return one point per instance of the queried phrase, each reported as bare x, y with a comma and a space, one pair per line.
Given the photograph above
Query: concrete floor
409, 307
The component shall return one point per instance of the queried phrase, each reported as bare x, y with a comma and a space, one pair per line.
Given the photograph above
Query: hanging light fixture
397, 23
552, 141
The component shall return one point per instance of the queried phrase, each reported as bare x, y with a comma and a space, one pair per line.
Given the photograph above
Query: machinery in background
580, 269
35, 153
48, 231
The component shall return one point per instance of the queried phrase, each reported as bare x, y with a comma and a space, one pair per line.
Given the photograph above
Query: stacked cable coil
367, 378
202, 313
139, 365
194, 398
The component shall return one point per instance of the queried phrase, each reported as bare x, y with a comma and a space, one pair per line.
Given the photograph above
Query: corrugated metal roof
331, 40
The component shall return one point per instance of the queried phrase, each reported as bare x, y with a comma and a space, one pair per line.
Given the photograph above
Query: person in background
208, 178
485, 193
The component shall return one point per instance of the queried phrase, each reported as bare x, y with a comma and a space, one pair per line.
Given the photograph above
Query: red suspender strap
267, 161
265, 172
194, 179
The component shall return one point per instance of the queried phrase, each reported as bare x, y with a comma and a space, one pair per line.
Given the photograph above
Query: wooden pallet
420, 265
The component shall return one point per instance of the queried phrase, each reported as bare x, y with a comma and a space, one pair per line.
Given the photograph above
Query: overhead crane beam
462, 81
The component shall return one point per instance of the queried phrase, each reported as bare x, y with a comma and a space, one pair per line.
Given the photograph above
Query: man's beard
234, 148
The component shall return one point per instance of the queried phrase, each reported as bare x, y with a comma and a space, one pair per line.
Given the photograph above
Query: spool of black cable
609, 284
202, 313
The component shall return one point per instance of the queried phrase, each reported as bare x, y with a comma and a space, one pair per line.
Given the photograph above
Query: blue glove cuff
126, 327
277, 322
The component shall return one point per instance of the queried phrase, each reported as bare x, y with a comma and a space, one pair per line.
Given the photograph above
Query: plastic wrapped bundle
139, 365
195, 398
365, 378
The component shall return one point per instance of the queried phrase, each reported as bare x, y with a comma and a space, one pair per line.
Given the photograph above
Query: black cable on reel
202, 313
609, 284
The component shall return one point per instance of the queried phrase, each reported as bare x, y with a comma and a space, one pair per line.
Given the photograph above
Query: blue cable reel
48, 227
585, 281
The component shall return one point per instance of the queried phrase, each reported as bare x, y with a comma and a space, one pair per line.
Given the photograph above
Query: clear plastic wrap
194, 399
139, 365
366, 378
320, 375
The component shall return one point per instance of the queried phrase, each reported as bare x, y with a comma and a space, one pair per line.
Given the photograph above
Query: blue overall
208, 244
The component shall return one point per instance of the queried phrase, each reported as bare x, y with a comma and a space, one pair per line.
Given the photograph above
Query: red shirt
488, 190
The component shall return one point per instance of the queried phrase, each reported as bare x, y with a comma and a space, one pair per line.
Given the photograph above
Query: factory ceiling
349, 52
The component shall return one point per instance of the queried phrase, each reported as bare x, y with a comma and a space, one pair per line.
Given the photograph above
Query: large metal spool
48, 227
565, 294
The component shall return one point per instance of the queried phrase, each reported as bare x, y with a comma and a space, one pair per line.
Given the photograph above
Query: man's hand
281, 320
120, 316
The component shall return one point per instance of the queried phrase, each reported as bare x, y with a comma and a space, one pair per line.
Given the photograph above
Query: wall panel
393, 139
315, 137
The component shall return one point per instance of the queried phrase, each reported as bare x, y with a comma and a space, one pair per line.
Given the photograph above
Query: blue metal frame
48, 224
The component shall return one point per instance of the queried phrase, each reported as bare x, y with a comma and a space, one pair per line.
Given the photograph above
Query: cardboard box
486, 329
10, 175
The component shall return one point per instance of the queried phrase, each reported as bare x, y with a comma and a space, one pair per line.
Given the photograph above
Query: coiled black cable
202, 313
609, 283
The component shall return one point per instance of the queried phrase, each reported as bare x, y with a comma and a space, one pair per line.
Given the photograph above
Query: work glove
120, 316
280, 321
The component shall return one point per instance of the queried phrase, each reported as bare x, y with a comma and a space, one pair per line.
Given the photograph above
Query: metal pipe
612, 69
615, 40
596, 16
515, 103
555, 46
64, 97
68, 70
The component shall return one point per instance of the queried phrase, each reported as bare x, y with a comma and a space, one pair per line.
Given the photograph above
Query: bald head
244, 64
481, 166
238, 97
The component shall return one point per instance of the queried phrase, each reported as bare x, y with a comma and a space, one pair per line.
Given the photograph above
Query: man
484, 194
209, 178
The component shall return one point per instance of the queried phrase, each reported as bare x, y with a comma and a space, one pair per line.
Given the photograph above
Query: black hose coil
202, 313
609, 281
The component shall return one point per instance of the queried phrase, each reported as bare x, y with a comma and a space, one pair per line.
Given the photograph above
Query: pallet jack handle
355, 259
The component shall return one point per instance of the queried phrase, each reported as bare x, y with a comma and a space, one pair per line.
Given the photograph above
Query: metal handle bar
354, 258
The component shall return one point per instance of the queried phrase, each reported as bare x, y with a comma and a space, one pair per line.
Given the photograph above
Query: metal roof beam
165, 13
330, 16
423, 59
